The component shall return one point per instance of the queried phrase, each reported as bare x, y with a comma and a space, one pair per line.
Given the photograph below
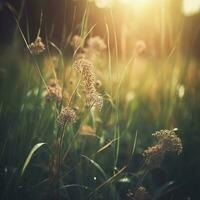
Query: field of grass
98, 118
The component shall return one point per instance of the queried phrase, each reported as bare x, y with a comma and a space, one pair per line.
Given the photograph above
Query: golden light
135, 2
109, 3
191, 7
103, 3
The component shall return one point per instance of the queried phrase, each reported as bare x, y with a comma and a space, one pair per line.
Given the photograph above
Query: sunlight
109, 3
135, 2
191, 7
103, 3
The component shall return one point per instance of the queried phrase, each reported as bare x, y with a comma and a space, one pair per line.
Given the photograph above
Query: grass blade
30, 155
106, 183
75, 185
107, 145
134, 144
96, 165
111, 179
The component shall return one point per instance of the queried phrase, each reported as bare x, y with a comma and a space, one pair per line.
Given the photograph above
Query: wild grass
79, 126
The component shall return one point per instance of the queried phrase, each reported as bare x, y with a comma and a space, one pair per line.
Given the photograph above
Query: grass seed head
85, 67
67, 116
96, 43
54, 92
154, 156
168, 141
76, 41
37, 46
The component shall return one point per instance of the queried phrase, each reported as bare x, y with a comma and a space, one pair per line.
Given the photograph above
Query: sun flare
109, 3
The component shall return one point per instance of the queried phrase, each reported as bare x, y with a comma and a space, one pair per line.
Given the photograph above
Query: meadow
111, 112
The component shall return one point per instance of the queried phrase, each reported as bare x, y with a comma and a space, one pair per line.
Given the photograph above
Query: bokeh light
191, 7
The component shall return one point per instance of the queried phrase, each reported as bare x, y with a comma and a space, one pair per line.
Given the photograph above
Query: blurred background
157, 22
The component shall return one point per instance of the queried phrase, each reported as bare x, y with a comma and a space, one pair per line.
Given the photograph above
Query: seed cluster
96, 44
168, 141
67, 116
54, 92
154, 156
76, 41
37, 46
85, 67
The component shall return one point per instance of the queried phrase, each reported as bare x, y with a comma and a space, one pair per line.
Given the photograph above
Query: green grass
40, 158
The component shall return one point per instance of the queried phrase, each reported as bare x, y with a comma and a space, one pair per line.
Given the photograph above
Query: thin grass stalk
117, 128
60, 138
115, 35
109, 56
33, 58
84, 38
